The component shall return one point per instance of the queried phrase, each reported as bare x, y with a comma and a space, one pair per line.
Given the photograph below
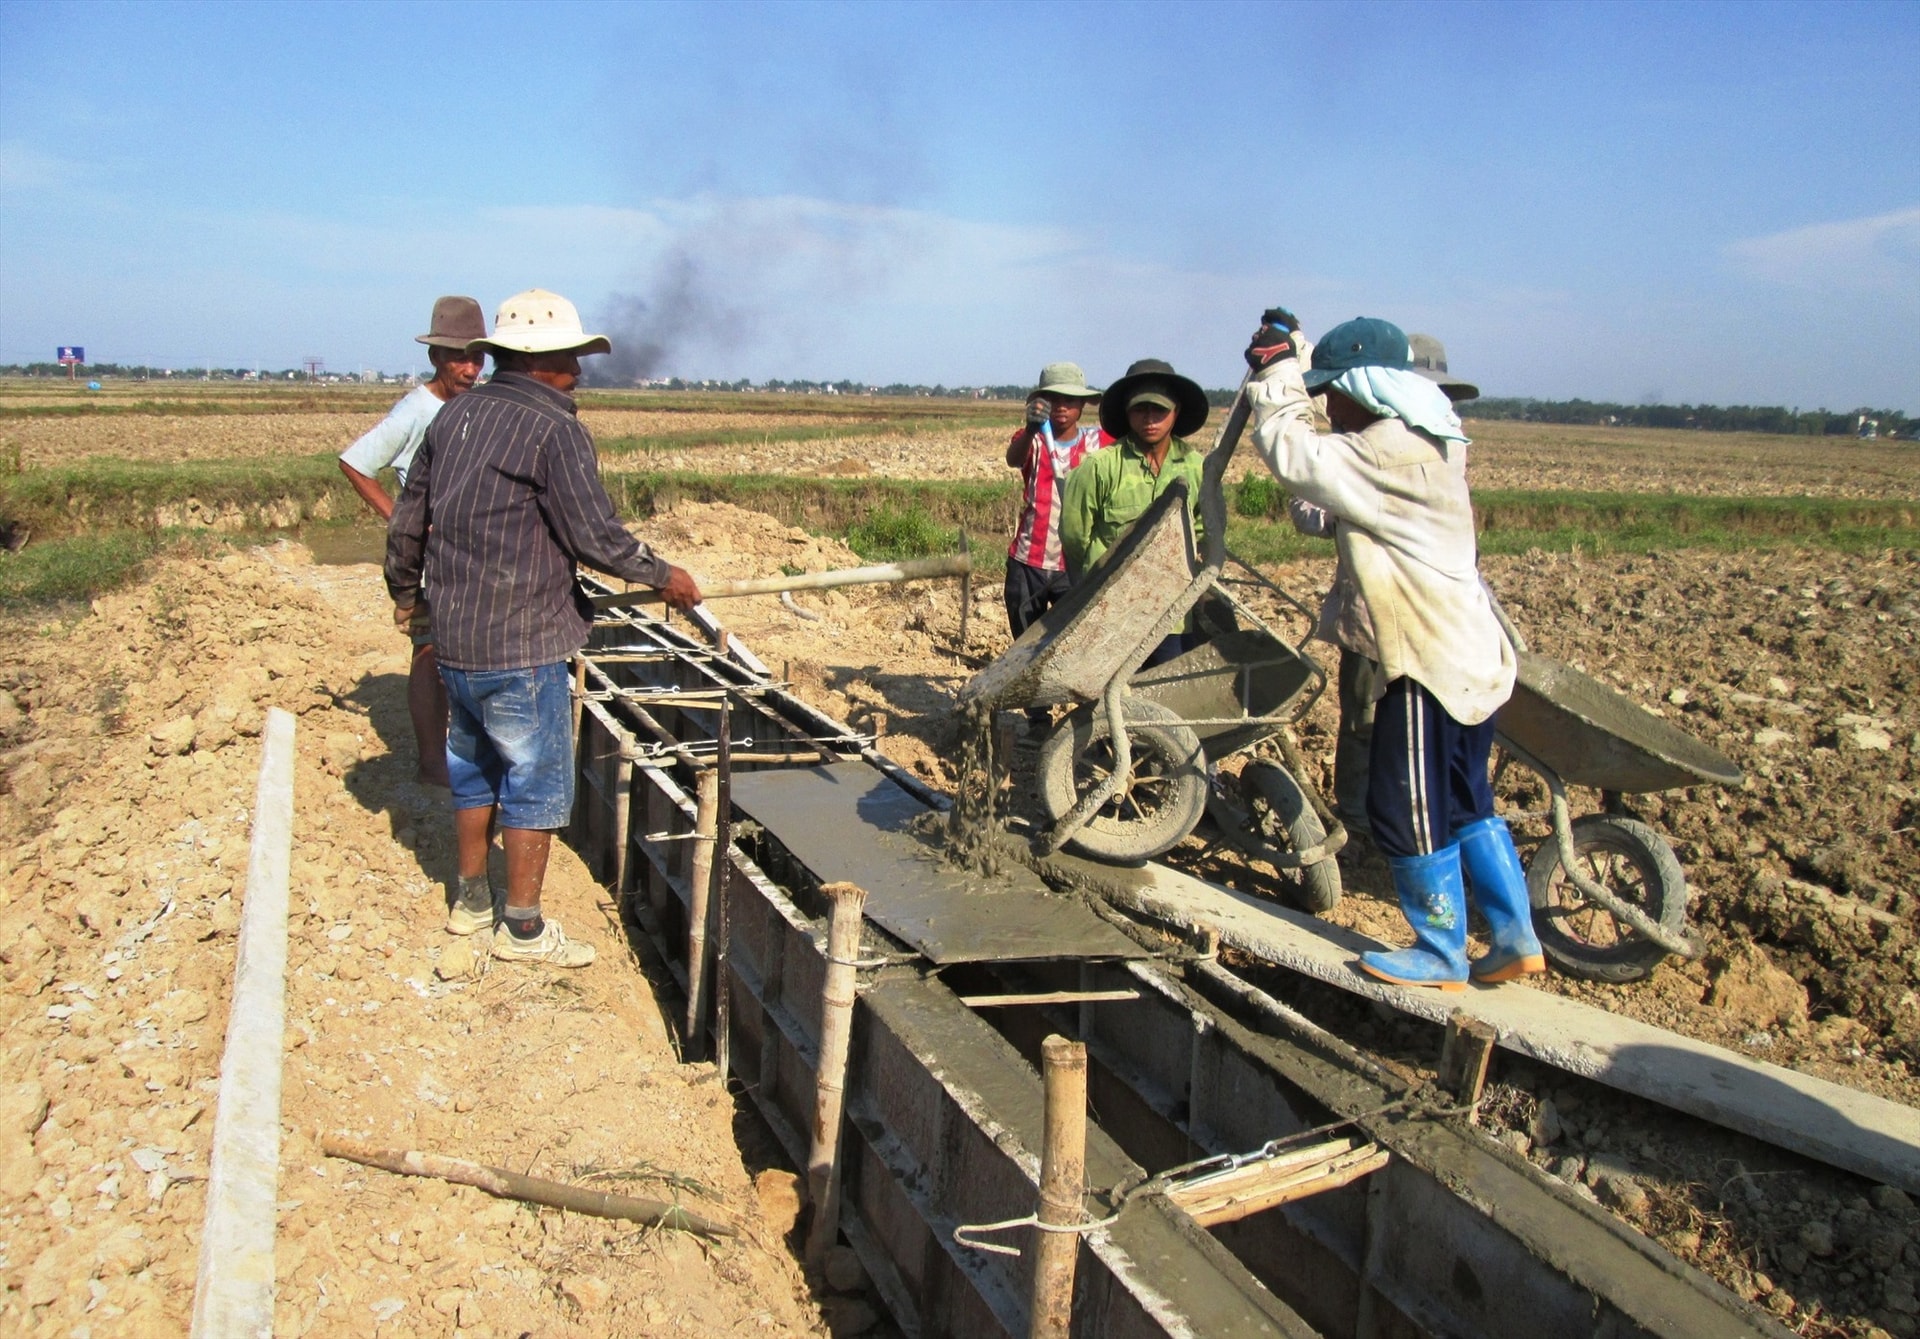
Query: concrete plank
848, 821
1828, 1122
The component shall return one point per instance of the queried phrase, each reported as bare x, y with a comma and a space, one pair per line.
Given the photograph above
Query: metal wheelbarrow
1609, 897
1131, 770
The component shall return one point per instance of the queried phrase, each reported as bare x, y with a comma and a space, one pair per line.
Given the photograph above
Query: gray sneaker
550, 946
473, 909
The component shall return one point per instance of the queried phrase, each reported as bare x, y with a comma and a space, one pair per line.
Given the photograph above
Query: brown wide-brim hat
1189, 402
457, 322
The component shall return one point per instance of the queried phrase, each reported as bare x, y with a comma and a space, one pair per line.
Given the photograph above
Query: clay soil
131, 754
128, 770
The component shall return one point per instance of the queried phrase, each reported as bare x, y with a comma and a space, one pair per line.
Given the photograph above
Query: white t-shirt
395, 438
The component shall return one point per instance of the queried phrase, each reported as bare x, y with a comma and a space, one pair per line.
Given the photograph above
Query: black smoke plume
682, 308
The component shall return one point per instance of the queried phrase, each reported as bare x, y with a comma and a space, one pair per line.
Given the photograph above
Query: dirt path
130, 761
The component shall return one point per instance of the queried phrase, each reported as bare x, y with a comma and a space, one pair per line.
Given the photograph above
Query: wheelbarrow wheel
1283, 815
1161, 804
1632, 861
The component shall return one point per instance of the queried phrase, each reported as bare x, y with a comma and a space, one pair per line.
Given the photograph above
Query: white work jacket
1407, 591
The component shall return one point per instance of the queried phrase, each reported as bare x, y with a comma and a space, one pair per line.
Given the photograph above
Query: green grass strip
102, 494
77, 568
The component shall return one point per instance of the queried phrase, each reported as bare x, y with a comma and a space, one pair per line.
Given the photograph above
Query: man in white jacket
1407, 594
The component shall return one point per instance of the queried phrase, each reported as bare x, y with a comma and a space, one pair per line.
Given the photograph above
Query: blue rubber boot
1500, 892
1434, 901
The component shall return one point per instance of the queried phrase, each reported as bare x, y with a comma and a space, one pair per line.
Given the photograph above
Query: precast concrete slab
1839, 1126
848, 822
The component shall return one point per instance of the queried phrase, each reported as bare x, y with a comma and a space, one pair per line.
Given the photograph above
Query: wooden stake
1063, 1176
579, 693
622, 823
1464, 1056
966, 589
722, 881
699, 884
830, 1079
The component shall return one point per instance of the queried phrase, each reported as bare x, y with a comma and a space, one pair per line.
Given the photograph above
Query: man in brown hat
503, 503
391, 445
1150, 411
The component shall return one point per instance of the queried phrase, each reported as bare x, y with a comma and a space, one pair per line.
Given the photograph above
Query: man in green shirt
1150, 411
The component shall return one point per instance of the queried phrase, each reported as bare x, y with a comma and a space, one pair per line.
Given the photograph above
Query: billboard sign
70, 354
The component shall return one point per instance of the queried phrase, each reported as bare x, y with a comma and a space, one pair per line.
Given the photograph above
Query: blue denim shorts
510, 743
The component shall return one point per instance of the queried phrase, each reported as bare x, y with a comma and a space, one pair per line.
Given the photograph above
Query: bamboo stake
1063, 1175
966, 589
722, 870
915, 569
622, 826
830, 1079
500, 1182
706, 807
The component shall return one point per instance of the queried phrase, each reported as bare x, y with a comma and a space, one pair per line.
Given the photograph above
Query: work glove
1274, 339
1038, 411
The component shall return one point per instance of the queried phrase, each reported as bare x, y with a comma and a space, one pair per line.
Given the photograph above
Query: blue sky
1711, 203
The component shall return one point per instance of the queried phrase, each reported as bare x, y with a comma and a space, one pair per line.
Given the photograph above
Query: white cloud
1877, 254
25, 168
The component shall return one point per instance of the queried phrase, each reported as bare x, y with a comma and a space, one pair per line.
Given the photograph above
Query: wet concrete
849, 822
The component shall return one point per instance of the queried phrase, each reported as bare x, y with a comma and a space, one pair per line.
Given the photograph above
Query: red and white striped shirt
1036, 541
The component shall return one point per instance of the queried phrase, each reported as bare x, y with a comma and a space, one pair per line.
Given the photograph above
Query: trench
1452, 1234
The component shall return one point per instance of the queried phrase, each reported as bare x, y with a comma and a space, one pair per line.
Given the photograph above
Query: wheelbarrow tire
1170, 790
1582, 939
1281, 809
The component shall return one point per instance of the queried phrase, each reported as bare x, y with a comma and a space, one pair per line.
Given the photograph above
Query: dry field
892, 438
120, 849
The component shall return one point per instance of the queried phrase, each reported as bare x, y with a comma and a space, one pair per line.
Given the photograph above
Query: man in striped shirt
1045, 450
503, 501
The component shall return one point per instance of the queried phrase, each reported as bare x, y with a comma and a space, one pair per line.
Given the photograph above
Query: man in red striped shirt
1045, 450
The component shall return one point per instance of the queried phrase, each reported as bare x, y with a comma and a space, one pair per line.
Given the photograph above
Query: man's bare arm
1019, 448
369, 489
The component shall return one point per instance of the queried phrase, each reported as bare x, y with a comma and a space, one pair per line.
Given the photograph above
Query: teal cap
1365, 341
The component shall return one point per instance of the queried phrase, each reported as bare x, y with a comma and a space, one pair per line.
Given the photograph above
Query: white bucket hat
537, 321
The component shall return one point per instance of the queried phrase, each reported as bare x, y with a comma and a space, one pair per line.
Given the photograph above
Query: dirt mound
1800, 667
128, 758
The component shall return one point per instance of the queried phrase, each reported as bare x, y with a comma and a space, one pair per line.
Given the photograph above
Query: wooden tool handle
915, 569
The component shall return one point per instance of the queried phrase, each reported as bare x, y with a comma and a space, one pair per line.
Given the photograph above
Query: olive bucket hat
1365, 341
1067, 380
1160, 384
456, 323
1430, 361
